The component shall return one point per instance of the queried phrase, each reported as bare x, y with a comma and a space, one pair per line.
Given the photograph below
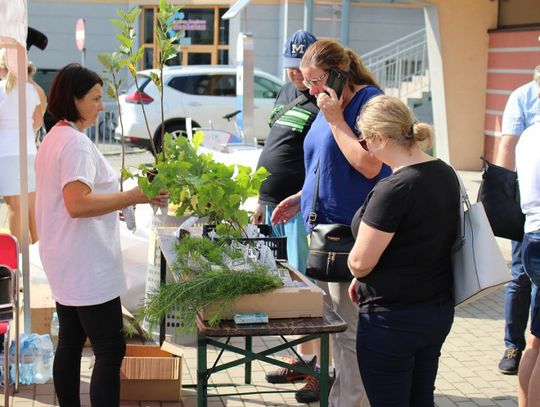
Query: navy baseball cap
296, 47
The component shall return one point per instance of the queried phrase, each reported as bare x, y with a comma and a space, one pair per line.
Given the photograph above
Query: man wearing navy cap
283, 157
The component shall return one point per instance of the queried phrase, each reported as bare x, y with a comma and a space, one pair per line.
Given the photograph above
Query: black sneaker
311, 392
284, 375
509, 364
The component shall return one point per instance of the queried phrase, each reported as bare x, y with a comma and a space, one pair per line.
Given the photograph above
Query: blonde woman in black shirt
401, 259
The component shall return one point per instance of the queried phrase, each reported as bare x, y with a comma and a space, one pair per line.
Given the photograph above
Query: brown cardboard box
152, 373
286, 302
42, 307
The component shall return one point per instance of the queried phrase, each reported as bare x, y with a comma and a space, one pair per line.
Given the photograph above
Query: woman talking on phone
345, 174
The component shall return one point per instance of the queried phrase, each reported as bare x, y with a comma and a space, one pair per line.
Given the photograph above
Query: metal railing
401, 67
102, 134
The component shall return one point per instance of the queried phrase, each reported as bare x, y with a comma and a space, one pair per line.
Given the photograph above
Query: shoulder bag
499, 193
329, 247
478, 265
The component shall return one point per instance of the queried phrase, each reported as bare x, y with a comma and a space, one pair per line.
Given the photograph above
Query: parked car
107, 120
206, 93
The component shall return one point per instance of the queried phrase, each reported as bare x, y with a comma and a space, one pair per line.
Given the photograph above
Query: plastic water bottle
11, 357
55, 325
27, 360
43, 360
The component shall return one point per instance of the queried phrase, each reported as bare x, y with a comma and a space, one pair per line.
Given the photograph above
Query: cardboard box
42, 307
286, 302
152, 373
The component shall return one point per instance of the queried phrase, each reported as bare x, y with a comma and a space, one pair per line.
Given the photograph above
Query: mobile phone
336, 80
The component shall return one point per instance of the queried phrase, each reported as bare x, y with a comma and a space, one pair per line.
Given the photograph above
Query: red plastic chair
9, 260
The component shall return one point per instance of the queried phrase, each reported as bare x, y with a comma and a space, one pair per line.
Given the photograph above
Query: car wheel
175, 129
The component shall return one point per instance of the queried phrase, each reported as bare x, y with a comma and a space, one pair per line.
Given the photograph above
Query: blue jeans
531, 263
398, 353
295, 231
518, 301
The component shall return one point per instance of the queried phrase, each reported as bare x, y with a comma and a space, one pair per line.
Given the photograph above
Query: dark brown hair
328, 54
72, 82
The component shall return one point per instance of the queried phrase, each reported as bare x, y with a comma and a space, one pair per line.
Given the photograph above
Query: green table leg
247, 367
324, 371
202, 373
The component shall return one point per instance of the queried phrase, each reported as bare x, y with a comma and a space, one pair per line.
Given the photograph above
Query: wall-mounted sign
190, 25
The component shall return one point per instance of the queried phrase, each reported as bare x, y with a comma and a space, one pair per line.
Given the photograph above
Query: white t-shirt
528, 168
9, 119
81, 257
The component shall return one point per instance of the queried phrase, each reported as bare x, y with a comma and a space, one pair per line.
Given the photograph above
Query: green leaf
105, 60
125, 41
118, 23
197, 139
111, 92
132, 69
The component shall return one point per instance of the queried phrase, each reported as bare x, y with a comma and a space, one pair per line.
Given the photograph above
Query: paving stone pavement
467, 377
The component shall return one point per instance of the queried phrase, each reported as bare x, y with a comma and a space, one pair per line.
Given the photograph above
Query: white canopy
13, 29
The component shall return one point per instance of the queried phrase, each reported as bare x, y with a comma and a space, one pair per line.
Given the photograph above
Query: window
142, 81
205, 39
192, 84
224, 85
265, 88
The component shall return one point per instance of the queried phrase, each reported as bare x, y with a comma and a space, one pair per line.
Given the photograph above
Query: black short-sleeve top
420, 205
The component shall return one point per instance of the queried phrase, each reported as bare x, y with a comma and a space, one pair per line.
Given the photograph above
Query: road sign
79, 34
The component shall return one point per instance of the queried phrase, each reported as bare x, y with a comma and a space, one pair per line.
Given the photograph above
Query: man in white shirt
522, 106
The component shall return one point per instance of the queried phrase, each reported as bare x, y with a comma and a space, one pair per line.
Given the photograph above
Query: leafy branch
114, 64
167, 49
198, 184
131, 58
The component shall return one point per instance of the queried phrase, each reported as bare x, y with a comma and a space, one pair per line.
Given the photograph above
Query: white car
206, 93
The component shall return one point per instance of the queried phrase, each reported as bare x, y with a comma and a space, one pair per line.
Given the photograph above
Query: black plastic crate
278, 245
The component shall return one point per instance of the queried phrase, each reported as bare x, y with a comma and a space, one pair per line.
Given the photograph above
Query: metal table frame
312, 328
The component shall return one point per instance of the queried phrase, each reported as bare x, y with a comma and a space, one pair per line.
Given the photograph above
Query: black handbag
329, 247
499, 193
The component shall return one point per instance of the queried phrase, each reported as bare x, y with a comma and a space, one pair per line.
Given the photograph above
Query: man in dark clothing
283, 153
283, 157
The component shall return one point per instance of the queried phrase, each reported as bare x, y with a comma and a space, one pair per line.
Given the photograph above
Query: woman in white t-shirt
77, 206
9, 149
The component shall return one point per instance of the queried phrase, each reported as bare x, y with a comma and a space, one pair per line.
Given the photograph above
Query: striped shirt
522, 106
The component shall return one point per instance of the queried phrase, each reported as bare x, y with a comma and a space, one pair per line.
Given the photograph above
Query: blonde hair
31, 69
3, 59
328, 54
11, 80
391, 117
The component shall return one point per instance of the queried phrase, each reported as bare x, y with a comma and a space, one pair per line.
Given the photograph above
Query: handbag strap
463, 202
313, 214
300, 99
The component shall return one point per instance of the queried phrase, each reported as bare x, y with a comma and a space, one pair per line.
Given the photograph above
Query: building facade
209, 39
464, 40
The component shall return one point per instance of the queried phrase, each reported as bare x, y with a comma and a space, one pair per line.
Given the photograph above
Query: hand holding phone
336, 80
